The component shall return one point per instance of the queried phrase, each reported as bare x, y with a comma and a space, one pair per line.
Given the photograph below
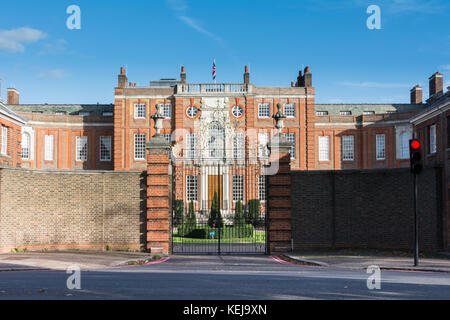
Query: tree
215, 218
178, 212
191, 216
254, 212
239, 219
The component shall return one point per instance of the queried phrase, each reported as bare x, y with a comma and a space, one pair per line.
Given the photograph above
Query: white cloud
14, 40
56, 47
53, 74
445, 67
370, 84
180, 8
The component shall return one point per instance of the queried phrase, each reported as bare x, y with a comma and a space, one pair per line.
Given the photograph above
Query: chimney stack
416, 95
13, 96
307, 78
246, 76
183, 75
436, 84
300, 79
122, 78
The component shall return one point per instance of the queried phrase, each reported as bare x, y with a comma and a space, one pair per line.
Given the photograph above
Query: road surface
224, 277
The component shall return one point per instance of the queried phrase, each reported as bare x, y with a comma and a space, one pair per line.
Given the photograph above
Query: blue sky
49, 63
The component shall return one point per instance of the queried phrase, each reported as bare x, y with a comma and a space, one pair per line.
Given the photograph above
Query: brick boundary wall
42, 209
365, 209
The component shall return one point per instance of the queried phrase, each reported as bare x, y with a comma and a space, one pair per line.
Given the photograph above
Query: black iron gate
219, 207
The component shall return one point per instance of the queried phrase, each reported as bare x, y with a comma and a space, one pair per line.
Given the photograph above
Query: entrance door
214, 183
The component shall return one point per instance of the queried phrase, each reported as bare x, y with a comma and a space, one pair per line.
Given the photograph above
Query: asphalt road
225, 277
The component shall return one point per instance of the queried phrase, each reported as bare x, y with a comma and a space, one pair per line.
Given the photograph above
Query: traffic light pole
416, 224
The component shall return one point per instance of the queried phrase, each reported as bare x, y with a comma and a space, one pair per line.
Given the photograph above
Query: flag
214, 70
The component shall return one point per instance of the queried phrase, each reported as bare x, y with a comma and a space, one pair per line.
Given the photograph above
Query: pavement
61, 260
354, 259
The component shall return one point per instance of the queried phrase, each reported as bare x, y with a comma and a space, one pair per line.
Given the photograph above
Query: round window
237, 111
191, 112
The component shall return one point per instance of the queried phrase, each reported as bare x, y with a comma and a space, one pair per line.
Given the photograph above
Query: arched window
26, 146
404, 145
216, 142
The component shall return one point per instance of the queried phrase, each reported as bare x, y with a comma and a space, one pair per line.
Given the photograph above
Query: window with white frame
380, 143
262, 187
433, 138
26, 146
139, 110
348, 148
191, 145
105, 148
191, 188
238, 187
263, 144
367, 113
404, 145
81, 148
4, 150
168, 137
139, 146
238, 145
291, 138
324, 148
264, 110
48, 148
345, 113
166, 109
289, 110
321, 113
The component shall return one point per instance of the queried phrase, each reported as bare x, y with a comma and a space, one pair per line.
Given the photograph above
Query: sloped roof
9, 113
69, 109
358, 109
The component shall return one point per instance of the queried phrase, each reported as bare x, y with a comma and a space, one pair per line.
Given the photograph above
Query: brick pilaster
159, 196
279, 197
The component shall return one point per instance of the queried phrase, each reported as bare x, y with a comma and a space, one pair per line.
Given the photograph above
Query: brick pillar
279, 194
159, 196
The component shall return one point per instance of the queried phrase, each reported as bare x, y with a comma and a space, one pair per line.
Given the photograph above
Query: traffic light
415, 155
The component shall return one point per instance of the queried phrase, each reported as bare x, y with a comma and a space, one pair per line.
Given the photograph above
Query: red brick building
208, 120
432, 127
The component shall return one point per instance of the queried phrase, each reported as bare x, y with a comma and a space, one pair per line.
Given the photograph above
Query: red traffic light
415, 144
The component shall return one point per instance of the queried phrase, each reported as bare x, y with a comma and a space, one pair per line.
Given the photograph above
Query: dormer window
367, 113
321, 113
107, 113
345, 113
84, 113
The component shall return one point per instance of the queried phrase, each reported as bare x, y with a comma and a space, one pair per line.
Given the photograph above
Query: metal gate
219, 206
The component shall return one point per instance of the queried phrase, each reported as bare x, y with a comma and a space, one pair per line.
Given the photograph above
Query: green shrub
239, 214
226, 232
215, 217
178, 212
253, 215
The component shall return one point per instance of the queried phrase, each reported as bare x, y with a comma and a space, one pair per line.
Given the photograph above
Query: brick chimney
307, 78
13, 96
436, 82
246, 76
416, 95
183, 75
122, 78
300, 82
